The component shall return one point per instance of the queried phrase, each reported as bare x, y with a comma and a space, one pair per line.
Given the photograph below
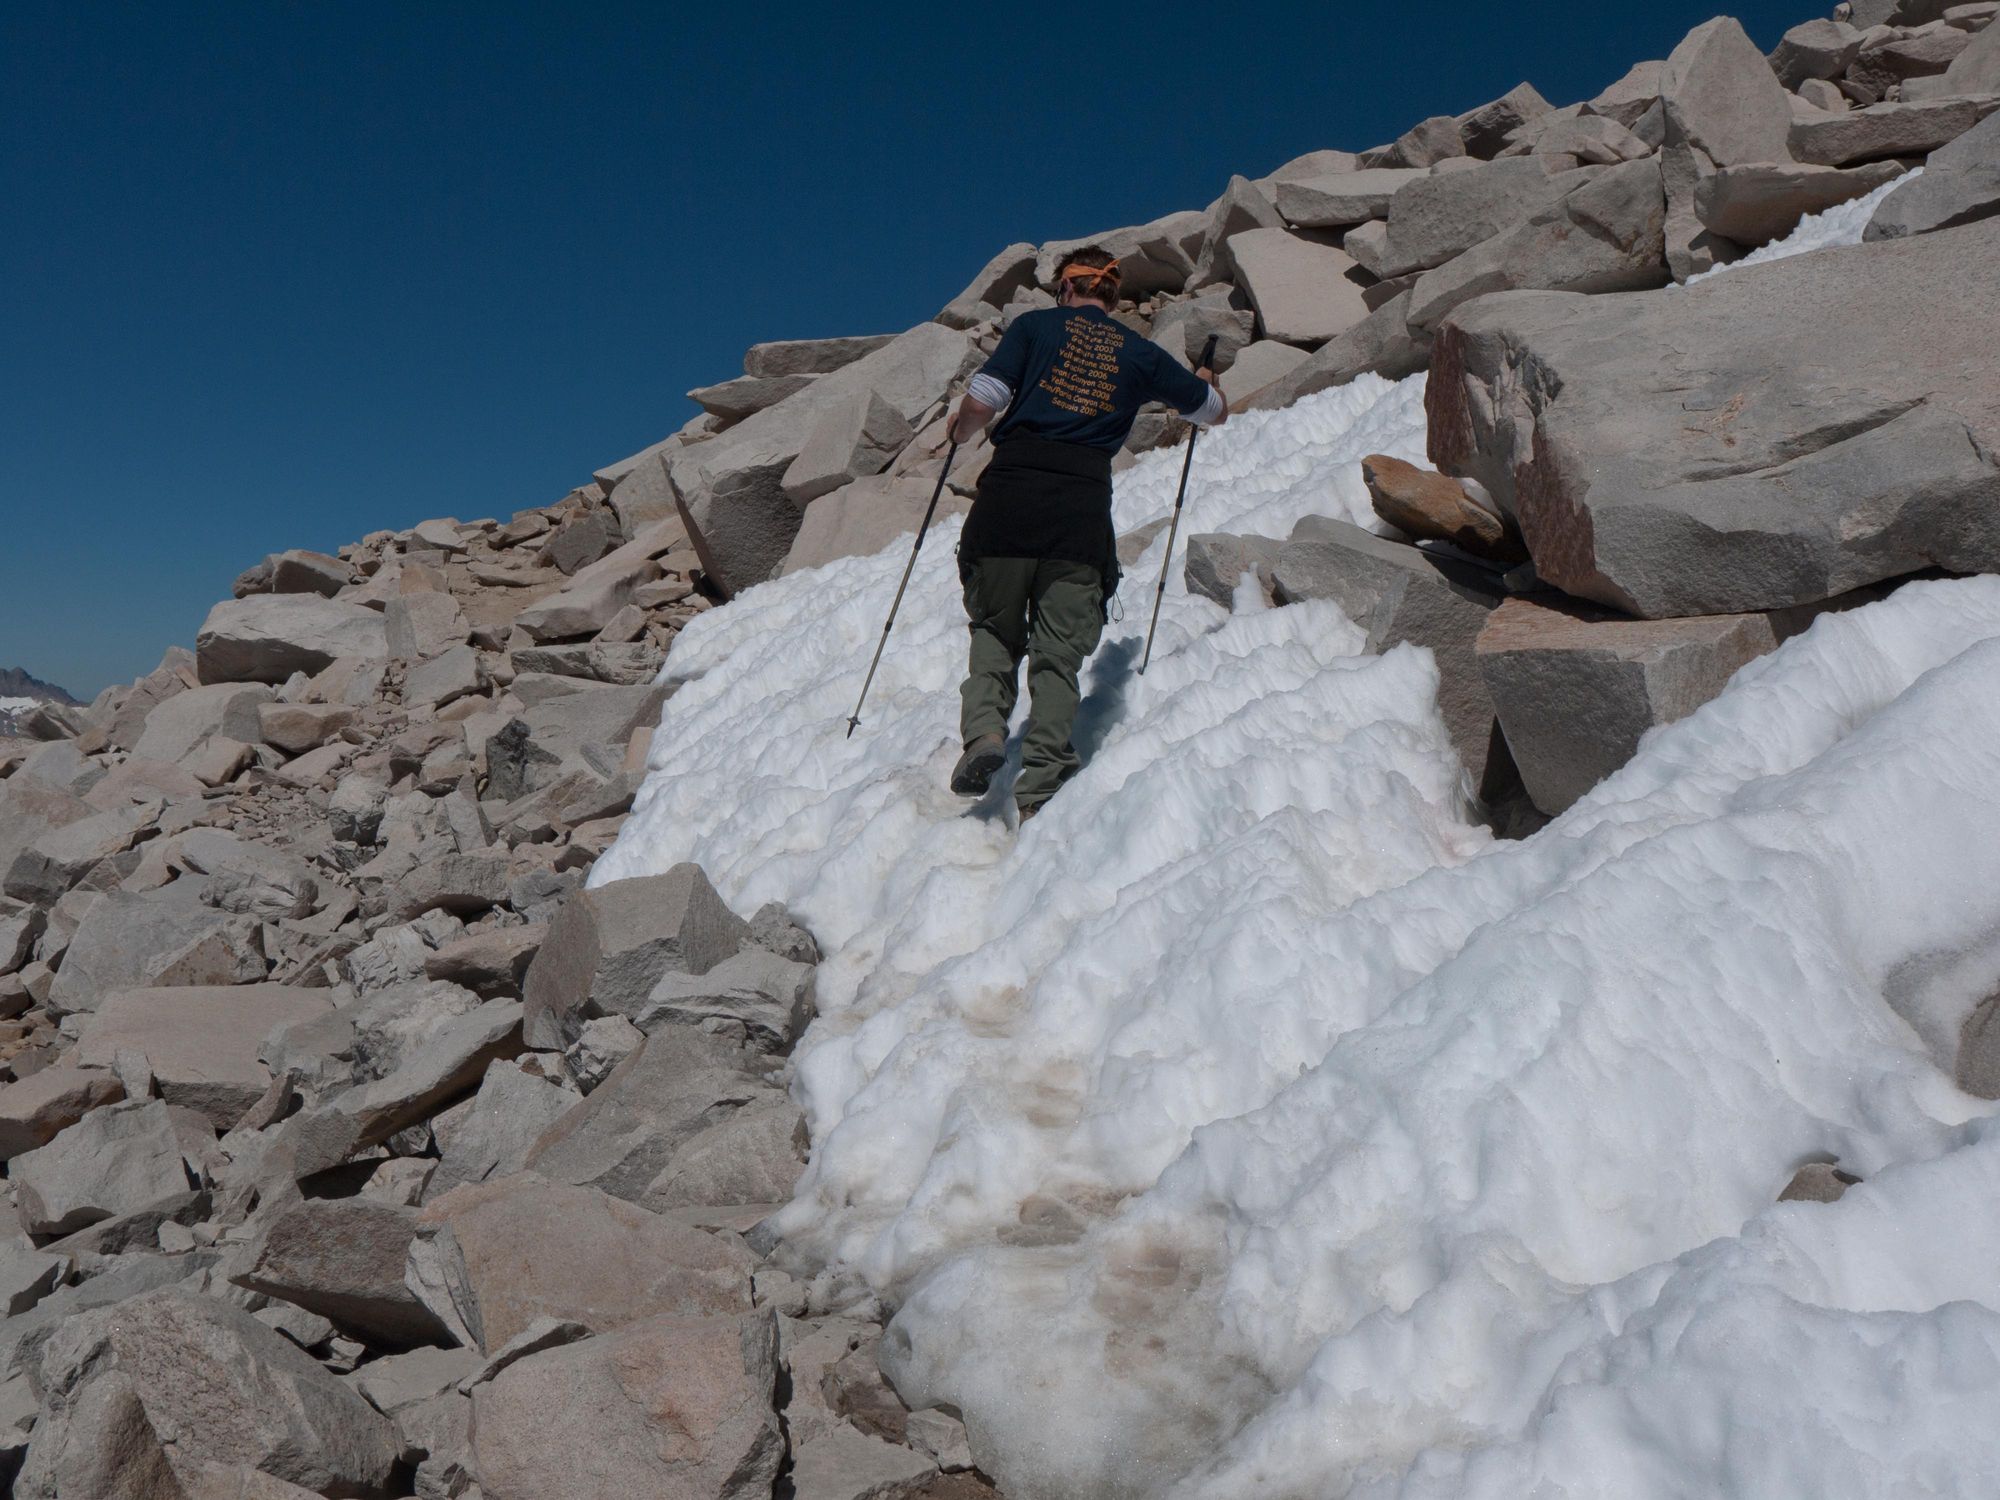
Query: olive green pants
1051, 613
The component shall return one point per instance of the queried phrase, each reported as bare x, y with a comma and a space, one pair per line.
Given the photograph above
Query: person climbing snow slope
1038, 556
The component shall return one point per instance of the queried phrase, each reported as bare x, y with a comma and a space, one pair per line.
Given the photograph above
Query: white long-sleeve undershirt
991, 391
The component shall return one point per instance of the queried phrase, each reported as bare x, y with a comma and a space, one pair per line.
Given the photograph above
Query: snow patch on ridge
1840, 225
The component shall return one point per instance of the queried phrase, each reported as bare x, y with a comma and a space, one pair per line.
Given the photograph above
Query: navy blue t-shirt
1080, 376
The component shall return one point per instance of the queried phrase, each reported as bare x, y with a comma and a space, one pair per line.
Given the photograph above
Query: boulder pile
353, 1147
344, 1131
1637, 493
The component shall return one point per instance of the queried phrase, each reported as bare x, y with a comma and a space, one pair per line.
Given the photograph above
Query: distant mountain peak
16, 683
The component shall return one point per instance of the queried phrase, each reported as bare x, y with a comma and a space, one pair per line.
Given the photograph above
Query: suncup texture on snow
1508, 1006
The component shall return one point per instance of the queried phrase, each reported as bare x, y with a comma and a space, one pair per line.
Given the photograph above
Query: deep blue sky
277, 275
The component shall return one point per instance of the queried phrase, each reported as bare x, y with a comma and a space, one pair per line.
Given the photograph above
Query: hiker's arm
1213, 411
985, 398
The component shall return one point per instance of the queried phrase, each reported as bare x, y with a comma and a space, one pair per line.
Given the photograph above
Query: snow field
1252, 1125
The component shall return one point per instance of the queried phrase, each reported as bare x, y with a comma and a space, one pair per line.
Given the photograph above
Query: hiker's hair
1104, 287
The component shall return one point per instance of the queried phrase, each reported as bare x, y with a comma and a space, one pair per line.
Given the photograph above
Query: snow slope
1251, 1124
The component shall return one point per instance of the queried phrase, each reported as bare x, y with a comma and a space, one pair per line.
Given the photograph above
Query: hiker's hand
1205, 373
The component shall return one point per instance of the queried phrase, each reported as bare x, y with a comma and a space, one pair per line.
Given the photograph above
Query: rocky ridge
355, 1148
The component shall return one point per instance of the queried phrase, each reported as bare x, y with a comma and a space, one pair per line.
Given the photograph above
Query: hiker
1038, 556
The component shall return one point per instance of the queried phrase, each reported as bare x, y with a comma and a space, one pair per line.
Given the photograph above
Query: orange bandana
1094, 273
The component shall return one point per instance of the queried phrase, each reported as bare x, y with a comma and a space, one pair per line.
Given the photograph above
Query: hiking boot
974, 772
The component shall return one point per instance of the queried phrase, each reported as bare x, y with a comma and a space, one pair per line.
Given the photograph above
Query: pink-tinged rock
671, 1408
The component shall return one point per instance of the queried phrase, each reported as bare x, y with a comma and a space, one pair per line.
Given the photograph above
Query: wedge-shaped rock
442, 1068
23, 1336
1892, 63
1577, 687
860, 519
453, 674
1960, 185
33, 1110
29, 808
1485, 129
511, 1111
1629, 99
754, 997
750, 1159
1976, 70
1722, 98
1815, 49
139, 780
182, 724
644, 497
214, 1385
298, 727
1761, 202
809, 356
1692, 247
1609, 235
582, 540
1305, 291
1243, 205
343, 1258
388, 1027
57, 860
1739, 445
1183, 330
18, 931
200, 1042
850, 441
1589, 140
113, 1161
634, 1126
1397, 593
463, 884
489, 963
490, 1258
396, 1381
675, 1408
130, 940
731, 488
1383, 343
1343, 198
301, 572
610, 945
267, 637
1258, 365
1440, 216
583, 732
1882, 130
1011, 271
845, 1463
102, 1444
745, 396
27, 1276
582, 609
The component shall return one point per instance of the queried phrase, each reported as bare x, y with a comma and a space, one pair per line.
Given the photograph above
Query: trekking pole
1166, 565
854, 722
